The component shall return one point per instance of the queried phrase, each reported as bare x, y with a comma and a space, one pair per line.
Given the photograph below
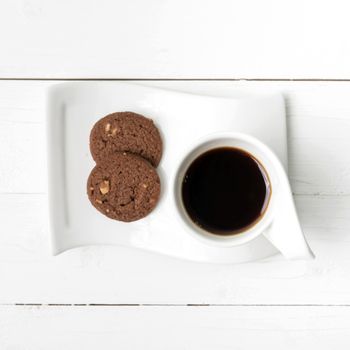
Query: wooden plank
119, 275
318, 122
182, 39
319, 125
174, 327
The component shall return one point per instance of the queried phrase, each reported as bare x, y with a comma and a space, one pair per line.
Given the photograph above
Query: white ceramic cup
279, 223
261, 153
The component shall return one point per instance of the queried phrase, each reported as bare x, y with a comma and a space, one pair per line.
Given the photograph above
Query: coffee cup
258, 199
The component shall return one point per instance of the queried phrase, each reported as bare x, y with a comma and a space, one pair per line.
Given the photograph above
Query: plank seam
168, 305
179, 79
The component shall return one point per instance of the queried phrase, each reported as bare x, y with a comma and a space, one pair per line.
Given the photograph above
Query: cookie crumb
104, 187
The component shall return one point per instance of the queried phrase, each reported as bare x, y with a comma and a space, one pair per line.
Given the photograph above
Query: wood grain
43, 327
174, 39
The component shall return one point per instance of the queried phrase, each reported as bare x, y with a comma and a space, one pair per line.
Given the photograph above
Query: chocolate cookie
124, 187
126, 132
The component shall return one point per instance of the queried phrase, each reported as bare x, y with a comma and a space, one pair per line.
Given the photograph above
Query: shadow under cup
223, 189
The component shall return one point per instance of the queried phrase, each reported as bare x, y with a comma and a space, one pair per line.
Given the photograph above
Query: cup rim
200, 147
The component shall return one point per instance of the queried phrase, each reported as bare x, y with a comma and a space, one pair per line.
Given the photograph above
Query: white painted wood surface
174, 327
319, 124
273, 304
175, 39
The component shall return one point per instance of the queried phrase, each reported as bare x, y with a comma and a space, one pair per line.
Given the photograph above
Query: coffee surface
225, 191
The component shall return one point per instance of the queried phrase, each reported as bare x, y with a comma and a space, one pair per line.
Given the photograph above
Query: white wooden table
110, 297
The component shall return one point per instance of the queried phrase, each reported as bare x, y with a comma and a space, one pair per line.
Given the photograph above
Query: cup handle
285, 232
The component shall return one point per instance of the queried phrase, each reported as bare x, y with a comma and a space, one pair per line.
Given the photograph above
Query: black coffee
225, 191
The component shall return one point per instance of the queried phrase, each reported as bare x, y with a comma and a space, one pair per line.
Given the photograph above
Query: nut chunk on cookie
124, 187
126, 132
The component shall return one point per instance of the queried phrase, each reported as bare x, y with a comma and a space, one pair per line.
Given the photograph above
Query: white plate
73, 108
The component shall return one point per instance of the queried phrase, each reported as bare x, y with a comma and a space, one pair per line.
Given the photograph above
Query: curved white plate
183, 118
